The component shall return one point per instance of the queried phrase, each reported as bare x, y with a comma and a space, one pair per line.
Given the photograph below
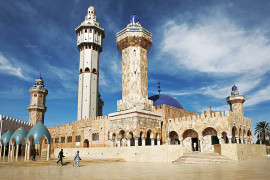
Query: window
94, 71
90, 30
56, 140
46, 141
87, 70
86, 31
40, 96
80, 71
69, 139
78, 138
35, 95
95, 137
62, 139
98, 33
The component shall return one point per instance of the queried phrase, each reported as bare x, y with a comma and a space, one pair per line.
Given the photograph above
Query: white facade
89, 43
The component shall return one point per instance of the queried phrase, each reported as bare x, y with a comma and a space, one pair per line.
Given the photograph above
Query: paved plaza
114, 169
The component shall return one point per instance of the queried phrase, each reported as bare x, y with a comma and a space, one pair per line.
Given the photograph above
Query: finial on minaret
159, 90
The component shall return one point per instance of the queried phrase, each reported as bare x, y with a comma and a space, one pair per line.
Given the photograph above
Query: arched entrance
148, 138
224, 137
234, 132
131, 140
86, 143
190, 140
174, 138
140, 139
122, 138
209, 139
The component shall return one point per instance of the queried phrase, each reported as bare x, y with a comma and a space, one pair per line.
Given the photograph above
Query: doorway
194, 144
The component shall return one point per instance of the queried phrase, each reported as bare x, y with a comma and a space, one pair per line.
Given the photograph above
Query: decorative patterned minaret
89, 43
37, 106
236, 101
134, 42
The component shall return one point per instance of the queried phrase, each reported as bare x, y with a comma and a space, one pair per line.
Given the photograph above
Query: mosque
159, 120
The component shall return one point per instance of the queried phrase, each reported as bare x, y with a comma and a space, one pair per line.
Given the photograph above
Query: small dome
234, 88
164, 99
91, 10
38, 131
133, 19
5, 137
19, 134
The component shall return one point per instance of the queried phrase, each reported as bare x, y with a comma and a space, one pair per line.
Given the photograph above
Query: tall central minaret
89, 43
134, 42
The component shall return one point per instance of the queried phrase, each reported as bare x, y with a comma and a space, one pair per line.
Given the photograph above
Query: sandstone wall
238, 152
164, 154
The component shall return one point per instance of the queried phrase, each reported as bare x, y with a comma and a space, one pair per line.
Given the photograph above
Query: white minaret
89, 43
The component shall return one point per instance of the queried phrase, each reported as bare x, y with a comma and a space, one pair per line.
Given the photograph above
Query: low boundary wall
238, 152
164, 153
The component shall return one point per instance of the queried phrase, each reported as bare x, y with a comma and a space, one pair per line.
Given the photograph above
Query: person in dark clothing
34, 155
60, 156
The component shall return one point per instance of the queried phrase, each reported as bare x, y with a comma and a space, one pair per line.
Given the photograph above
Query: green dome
19, 134
5, 138
38, 131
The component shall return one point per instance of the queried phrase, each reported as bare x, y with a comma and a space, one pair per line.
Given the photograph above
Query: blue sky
200, 48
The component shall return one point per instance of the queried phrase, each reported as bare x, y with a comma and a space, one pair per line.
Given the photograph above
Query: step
205, 157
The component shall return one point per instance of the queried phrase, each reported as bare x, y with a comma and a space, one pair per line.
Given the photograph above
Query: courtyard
116, 169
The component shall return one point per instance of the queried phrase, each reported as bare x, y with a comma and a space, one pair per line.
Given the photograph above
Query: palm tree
263, 130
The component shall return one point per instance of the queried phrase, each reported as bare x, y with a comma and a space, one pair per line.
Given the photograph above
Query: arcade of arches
190, 139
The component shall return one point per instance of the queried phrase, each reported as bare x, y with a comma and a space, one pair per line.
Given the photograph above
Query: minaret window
35, 95
80, 71
87, 70
94, 71
90, 30
86, 31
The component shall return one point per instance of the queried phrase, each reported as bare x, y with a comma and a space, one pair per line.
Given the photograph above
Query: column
220, 140
25, 151
158, 141
1, 150
242, 140
152, 141
168, 141
128, 141
136, 141
201, 146
48, 152
17, 151
118, 142
230, 139
12, 150
237, 140
143, 141
29, 151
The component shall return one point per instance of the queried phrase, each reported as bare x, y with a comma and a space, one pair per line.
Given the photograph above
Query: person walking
34, 155
77, 159
60, 156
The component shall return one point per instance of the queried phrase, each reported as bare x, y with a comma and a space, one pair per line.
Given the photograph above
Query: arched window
94, 71
87, 70
80, 71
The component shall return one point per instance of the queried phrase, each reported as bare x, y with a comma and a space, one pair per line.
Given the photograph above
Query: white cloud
217, 46
8, 67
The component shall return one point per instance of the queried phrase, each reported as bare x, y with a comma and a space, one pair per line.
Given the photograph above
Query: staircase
202, 157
